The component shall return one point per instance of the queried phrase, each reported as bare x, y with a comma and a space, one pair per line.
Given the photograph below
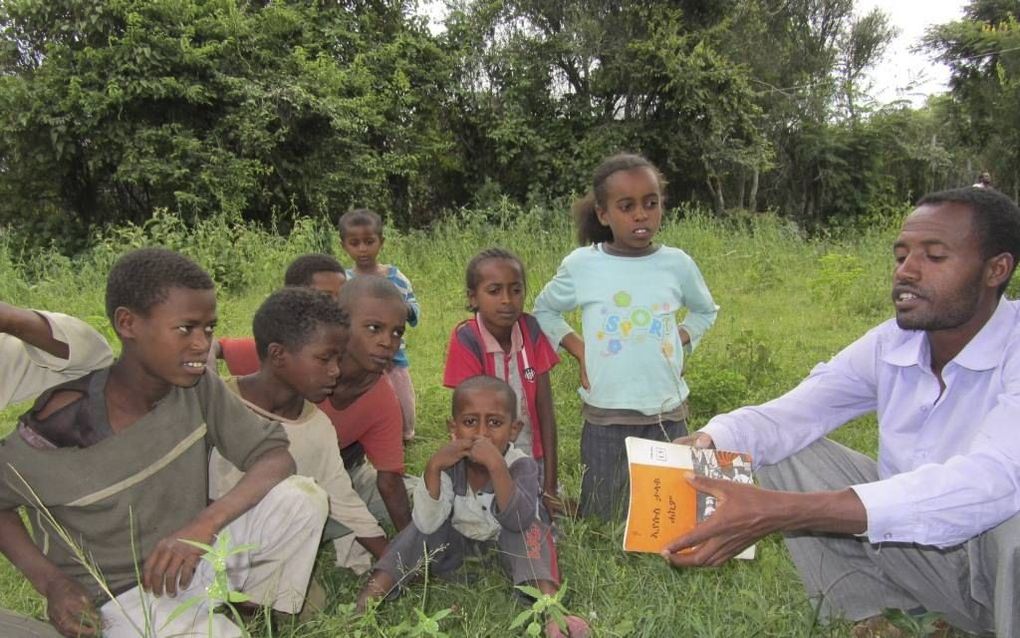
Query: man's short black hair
368, 287
143, 278
996, 218
301, 270
290, 316
485, 382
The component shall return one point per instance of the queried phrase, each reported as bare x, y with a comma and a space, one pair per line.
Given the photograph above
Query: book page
663, 505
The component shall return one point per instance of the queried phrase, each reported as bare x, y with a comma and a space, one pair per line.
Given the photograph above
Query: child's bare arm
173, 562
547, 417
33, 329
447, 456
574, 345
67, 603
394, 496
376, 545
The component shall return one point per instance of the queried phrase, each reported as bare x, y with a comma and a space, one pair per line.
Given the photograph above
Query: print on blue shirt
623, 322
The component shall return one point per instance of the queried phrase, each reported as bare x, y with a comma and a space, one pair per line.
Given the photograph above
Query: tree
983, 53
115, 108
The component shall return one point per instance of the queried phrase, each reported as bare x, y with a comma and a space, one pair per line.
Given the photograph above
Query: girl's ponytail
589, 229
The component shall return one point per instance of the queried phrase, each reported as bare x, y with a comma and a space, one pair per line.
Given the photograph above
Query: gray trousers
605, 483
973, 585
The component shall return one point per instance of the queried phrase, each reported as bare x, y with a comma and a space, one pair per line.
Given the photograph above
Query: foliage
982, 51
116, 108
273, 111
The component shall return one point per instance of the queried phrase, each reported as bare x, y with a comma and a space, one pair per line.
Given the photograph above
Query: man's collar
983, 352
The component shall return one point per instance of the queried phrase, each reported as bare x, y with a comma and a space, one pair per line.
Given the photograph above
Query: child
317, 271
361, 235
364, 408
478, 490
41, 349
120, 460
629, 290
299, 335
503, 341
37, 350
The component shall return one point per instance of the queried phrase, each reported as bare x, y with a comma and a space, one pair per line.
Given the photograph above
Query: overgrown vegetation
273, 110
779, 316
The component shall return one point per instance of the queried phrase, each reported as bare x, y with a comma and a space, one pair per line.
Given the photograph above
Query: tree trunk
743, 188
715, 187
752, 199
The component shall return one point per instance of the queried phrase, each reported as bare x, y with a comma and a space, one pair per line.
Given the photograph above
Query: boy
41, 349
478, 490
361, 235
364, 408
37, 350
120, 460
299, 335
317, 271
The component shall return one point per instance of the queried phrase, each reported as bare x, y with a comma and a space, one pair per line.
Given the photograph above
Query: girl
629, 290
501, 340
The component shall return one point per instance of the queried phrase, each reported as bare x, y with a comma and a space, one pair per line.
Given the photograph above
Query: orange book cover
663, 505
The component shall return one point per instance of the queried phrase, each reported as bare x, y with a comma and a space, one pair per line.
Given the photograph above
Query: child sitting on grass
361, 235
479, 493
299, 335
113, 468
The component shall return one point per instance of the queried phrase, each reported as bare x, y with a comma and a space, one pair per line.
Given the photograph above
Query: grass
787, 302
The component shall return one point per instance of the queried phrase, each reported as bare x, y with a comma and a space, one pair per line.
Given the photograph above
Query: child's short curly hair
143, 278
290, 316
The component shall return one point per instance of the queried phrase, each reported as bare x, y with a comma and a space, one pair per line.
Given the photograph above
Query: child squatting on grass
629, 290
299, 335
363, 408
361, 235
503, 341
479, 493
120, 456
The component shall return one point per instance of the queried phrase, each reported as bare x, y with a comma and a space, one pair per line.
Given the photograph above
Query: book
663, 504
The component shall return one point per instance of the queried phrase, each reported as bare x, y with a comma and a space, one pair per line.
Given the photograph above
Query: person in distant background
984, 180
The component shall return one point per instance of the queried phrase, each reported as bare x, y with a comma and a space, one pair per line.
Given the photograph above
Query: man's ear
125, 322
998, 269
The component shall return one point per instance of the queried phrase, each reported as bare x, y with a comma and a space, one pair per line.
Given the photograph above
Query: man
933, 526
39, 350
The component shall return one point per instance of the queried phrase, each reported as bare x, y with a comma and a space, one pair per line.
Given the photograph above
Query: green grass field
787, 302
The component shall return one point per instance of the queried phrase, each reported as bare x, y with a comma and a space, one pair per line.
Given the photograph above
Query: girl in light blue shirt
631, 356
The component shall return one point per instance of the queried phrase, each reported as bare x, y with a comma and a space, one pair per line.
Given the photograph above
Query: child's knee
301, 498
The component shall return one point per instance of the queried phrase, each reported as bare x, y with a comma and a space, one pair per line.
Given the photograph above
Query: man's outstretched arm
746, 514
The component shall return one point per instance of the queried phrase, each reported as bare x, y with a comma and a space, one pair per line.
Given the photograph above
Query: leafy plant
218, 592
545, 608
